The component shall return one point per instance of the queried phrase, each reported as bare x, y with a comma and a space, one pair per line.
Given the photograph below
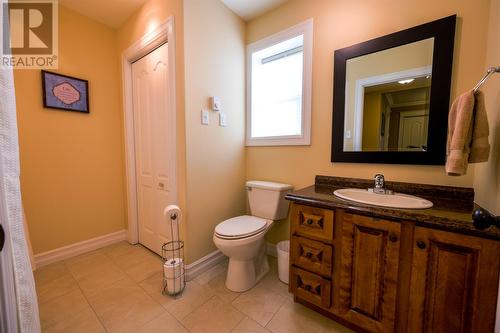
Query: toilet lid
240, 226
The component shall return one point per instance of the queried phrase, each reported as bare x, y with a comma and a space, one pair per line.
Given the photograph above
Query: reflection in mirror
387, 99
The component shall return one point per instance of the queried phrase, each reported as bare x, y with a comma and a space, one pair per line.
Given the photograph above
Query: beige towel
480, 147
467, 128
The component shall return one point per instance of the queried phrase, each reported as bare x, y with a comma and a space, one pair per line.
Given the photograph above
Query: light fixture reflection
406, 81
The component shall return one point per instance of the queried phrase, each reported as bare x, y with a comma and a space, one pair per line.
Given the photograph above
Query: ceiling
249, 9
112, 13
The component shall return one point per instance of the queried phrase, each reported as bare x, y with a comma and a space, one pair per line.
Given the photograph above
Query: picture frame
65, 92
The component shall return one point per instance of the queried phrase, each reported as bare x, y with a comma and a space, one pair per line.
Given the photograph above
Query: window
279, 88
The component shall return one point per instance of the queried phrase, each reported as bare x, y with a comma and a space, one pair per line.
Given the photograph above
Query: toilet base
242, 275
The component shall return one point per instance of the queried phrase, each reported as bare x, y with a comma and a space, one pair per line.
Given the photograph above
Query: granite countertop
440, 216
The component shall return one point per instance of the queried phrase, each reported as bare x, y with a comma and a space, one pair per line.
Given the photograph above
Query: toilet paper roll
173, 271
173, 268
173, 213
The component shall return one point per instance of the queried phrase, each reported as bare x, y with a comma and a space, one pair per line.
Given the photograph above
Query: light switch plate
216, 103
222, 119
205, 119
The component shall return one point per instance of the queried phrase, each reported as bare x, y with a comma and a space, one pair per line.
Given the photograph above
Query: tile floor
118, 289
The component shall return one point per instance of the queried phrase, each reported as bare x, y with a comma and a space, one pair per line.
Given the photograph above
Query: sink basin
395, 200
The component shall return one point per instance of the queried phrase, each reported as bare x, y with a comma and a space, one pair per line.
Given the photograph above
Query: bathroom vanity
378, 269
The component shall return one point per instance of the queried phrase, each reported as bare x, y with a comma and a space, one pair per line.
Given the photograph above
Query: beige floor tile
218, 285
48, 273
248, 325
119, 249
271, 280
165, 323
100, 279
213, 272
53, 281
88, 263
193, 296
63, 308
84, 322
296, 318
139, 263
259, 303
124, 307
213, 316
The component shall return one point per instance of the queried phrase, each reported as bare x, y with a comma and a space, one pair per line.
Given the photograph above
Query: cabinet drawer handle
421, 245
393, 238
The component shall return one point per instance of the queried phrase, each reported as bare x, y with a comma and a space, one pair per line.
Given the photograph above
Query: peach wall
487, 177
71, 163
214, 65
341, 23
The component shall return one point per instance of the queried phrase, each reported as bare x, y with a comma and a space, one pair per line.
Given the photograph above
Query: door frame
359, 96
164, 33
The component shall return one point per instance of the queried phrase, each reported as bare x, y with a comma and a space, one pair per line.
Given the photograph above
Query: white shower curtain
12, 214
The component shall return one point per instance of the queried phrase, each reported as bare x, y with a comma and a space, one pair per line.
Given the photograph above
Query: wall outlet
205, 119
222, 119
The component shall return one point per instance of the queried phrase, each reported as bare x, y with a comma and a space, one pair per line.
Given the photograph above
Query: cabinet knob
308, 254
309, 221
393, 238
421, 245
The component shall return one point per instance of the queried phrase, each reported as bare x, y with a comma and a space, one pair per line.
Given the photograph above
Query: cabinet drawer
313, 222
311, 287
312, 255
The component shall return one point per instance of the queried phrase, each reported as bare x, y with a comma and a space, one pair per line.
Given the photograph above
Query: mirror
391, 97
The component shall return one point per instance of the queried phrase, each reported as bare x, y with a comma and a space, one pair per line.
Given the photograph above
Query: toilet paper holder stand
174, 278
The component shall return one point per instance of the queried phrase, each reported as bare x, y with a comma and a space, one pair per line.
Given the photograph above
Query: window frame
306, 29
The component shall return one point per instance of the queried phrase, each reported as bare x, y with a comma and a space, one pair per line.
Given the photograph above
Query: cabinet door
454, 283
369, 272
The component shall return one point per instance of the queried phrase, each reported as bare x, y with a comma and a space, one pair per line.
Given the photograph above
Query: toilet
241, 238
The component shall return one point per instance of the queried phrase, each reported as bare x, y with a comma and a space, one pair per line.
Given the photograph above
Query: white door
413, 130
154, 147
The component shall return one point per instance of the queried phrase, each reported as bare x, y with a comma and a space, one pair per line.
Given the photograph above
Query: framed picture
65, 92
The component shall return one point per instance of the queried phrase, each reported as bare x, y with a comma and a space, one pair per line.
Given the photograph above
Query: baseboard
72, 250
203, 264
271, 250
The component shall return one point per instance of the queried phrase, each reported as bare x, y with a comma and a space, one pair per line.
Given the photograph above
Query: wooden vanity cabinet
369, 272
376, 275
454, 283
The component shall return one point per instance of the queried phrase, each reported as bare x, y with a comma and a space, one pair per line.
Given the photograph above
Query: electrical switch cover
222, 119
205, 120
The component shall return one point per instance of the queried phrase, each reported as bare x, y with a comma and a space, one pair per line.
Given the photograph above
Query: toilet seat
240, 227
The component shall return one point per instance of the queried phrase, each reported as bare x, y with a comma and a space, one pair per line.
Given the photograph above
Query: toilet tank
267, 199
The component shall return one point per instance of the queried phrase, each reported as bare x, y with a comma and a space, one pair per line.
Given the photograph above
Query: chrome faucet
380, 185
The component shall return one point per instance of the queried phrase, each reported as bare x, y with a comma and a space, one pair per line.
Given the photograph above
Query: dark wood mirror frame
443, 32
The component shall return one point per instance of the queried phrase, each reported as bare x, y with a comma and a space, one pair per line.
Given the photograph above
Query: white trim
162, 34
305, 28
359, 96
271, 250
65, 252
204, 264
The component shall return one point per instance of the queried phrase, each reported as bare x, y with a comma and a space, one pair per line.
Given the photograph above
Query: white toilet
241, 238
